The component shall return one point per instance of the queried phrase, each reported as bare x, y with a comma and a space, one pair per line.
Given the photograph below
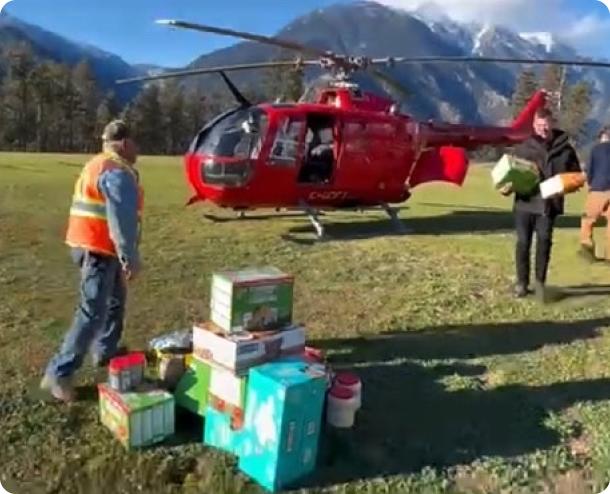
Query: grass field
465, 390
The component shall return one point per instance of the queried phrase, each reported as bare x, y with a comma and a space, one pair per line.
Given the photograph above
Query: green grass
465, 389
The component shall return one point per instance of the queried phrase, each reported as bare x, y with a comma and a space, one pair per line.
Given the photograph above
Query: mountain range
457, 92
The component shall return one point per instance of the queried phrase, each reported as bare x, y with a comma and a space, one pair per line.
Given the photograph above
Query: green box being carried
522, 174
256, 299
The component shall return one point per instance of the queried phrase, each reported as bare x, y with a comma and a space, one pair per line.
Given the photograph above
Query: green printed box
139, 418
522, 174
192, 391
256, 299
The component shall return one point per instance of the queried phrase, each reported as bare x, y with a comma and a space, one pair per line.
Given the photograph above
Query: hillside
475, 92
106, 67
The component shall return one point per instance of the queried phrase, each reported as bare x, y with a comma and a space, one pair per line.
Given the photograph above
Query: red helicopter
338, 147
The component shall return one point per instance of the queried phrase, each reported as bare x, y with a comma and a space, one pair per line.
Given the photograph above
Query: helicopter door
319, 159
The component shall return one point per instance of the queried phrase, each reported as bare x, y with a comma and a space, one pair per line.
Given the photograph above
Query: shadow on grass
463, 342
410, 419
462, 207
68, 164
23, 168
265, 214
577, 291
454, 223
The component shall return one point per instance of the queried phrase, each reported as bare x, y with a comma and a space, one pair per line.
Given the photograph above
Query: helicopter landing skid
216, 219
393, 214
312, 215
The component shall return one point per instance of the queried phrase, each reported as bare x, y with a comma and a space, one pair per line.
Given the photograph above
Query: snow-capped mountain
473, 92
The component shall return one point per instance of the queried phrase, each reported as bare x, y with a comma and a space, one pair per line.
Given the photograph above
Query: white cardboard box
238, 352
562, 184
551, 187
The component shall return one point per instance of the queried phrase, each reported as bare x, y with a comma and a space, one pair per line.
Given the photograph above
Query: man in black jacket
552, 152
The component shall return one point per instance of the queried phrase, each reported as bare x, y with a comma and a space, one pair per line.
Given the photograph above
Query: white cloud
555, 16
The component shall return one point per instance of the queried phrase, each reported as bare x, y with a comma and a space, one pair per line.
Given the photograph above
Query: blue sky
126, 27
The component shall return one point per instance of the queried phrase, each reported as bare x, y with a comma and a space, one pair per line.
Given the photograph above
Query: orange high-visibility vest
88, 222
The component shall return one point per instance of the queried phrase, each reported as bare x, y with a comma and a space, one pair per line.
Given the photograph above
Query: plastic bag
178, 342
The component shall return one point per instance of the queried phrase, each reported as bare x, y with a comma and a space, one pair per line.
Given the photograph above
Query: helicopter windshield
230, 145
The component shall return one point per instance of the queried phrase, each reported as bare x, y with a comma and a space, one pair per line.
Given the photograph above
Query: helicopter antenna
237, 94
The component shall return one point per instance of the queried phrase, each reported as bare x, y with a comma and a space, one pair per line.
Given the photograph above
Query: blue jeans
98, 319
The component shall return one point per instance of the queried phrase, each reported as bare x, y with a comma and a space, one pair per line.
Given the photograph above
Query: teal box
218, 432
282, 422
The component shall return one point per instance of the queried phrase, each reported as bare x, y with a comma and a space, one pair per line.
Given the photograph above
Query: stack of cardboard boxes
260, 392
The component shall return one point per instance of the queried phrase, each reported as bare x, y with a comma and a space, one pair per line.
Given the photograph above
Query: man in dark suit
553, 154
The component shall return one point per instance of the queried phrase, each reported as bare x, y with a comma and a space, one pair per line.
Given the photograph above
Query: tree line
52, 107
571, 103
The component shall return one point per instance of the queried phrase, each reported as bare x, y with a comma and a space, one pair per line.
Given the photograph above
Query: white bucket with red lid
351, 382
341, 407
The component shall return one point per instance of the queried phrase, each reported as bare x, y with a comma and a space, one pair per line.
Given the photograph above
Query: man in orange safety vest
104, 229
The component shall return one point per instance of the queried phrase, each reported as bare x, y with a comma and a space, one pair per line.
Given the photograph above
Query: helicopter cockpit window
285, 149
236, 136
230, 145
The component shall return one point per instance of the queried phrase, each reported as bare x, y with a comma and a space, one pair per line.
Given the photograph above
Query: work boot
104, 361
60, 389
587, 252
520, 290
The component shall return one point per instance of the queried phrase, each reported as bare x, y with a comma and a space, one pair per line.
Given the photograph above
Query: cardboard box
285, 403
192, 391
138, 418
220, 432
229, 388
224, 421
202, 381
562, 184
256, 299
238, 352
522, 174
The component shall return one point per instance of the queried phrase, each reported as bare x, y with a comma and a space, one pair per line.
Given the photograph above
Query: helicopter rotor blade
268, 40
522, 61
389, 81
211, 70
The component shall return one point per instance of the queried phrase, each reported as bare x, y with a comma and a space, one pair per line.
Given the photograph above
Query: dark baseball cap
605, 131
117, 130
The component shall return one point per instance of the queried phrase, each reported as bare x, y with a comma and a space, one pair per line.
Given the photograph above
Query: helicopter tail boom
523, 121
